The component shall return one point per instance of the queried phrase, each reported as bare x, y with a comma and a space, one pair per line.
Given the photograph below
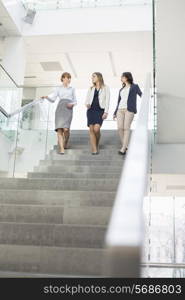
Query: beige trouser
124, 121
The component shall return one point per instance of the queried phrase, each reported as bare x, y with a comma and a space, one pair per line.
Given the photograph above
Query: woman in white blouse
64, 111
126, 108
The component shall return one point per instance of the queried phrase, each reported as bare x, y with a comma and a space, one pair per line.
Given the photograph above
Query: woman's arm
115, 112
52, 97
87, 101
139, 91
107, 101
74, 97
71, 105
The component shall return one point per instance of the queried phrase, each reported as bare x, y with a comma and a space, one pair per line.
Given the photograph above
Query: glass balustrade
31, 142
163, 251
70, 4
10, 99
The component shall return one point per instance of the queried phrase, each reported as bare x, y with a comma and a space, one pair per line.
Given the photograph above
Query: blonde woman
64, 111
97, 103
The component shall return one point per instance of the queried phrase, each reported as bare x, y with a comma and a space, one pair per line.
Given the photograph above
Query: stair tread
54, 222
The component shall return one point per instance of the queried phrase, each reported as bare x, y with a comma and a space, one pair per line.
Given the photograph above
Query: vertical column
170, 66
14, 58
14, 61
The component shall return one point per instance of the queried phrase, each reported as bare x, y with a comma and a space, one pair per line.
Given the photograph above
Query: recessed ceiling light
30, 77
51, 66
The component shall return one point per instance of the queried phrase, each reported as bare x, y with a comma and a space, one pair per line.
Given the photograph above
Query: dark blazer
132, 98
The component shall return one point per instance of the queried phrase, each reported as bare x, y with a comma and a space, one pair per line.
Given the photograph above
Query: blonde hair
100, 79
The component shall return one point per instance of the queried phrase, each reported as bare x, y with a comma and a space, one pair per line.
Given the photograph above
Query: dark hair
64, 75
128, 76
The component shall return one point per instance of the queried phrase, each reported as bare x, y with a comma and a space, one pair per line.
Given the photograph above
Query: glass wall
164, 254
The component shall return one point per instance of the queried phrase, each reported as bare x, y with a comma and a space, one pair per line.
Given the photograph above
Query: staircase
54, 221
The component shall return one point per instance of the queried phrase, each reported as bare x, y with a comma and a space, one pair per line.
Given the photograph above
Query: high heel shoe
122, 152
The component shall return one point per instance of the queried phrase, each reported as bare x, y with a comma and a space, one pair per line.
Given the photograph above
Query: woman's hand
44, 97
88, 106
114, 117
105, 115
70, 105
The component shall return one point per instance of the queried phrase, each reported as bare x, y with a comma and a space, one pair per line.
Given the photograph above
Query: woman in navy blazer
126, 108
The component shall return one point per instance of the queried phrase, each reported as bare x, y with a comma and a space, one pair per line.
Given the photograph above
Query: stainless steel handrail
125, 232
164, 265
23, 108
4, 112
23, 86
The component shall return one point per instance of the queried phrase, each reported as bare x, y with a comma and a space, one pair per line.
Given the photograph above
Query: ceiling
83, 54
7, 26
70, 4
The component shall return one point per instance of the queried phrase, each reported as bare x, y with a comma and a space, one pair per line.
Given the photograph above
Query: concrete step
3, 174
50, 260
87, 157
92, 162
79, 236
54, 214
64, 198
86, 146
60, 184
72, 175
77, 132
105, 141
78, 152
79, 169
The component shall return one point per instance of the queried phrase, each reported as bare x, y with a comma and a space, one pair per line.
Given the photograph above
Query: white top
124, 97
63, 92
104, 97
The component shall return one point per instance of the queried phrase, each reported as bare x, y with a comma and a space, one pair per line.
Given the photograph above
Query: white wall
16, 11
170, 52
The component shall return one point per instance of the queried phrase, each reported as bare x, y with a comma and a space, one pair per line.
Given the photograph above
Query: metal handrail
4, 112
164, 265
125, 232
11, 78
23, 86
23, 108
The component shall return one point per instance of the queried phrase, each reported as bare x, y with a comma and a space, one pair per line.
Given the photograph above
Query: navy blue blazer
132, 98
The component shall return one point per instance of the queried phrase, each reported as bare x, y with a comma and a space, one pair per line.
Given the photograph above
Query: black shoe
122, 153
95, 153
61, 153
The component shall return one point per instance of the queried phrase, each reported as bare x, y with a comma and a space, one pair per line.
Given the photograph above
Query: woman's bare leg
92, 139
97, 134
66, 137
60, 135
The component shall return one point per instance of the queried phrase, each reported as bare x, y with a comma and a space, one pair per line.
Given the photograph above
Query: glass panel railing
23, 129
31, 144
10, 92
8, 136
